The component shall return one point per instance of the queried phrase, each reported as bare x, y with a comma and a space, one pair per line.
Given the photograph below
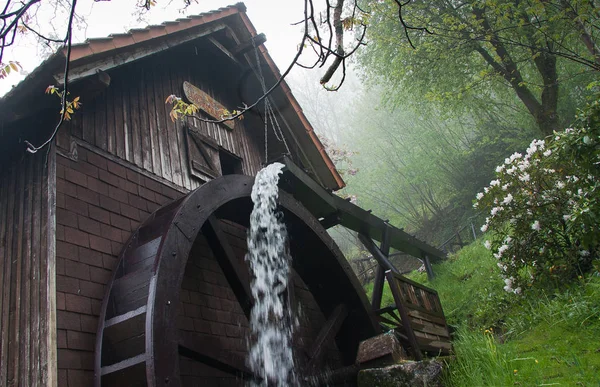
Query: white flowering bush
543, 207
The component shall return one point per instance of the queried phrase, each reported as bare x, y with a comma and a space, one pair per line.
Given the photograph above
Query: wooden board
206, 103
28, 336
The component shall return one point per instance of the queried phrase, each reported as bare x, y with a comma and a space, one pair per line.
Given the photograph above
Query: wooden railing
417, 317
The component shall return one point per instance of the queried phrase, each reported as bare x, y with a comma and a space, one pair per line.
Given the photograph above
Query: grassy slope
534, 340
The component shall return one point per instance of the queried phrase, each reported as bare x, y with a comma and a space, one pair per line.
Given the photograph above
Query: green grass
539, 339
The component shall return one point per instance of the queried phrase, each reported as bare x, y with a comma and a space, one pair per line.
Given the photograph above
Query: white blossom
501, 251
499, 168
536, 225
484, 228
584, 253
524, 165
479, 195
496, 210
560, 185
524, 177
566, 217
507, 199
505, 187
488, 245
494, 183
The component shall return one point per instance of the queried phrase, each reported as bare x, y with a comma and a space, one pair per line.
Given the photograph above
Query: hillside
537, 339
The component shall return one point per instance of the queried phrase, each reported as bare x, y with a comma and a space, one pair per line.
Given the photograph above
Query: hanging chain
269, 113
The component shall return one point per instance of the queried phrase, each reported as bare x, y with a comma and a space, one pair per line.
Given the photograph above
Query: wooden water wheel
175, 312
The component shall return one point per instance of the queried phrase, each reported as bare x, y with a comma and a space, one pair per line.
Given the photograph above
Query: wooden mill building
122, 244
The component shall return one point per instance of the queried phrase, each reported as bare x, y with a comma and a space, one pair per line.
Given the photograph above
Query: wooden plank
6, 238
171, 130
152, 126
134, 118
110, 120
161, 119
145, 131
327, 334
427, 316
36, 304
233, 270
119, 125
15, 309
124, 317
208, 350
49, 341
88, 113
28, 170
180, 130
127, 124
100, 121
408, 331
124, 364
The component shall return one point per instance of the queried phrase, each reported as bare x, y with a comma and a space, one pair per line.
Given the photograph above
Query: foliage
541, 338
70, 106
544, 207
425, 166
7, 68
484, 52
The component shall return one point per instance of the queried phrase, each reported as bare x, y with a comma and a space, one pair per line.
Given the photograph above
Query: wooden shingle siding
27, 309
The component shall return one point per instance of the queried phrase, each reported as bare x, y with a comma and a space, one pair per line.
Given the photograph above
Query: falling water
270, 322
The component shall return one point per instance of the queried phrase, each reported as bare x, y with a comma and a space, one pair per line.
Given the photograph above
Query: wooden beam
224, 50
204, 349
377, 254
327, 334
228, 261
322, 203
428, 268
249, 45
380, 275
330, 221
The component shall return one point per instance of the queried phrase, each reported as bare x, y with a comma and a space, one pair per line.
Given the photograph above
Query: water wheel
176, 311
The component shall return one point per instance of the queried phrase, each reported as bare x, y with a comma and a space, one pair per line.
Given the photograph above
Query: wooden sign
206, 103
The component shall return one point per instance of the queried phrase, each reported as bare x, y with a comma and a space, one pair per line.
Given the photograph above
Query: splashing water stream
271, 355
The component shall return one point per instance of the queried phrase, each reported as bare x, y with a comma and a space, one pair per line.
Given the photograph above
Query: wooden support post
232, 269
249, 45
327, 334
428, 268
377, 254
473, 230
380, 275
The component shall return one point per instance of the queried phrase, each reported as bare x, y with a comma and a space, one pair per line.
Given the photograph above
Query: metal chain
269, 113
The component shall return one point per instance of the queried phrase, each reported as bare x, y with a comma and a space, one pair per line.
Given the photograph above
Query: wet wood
327, 334
25, 333
422, 323
205, 350
230, 265
383, 349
